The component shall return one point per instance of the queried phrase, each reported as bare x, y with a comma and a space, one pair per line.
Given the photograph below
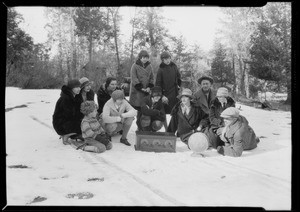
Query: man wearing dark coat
66, 120
187, 117
152, 114
204, 96
218, 105
169, 79
105, 91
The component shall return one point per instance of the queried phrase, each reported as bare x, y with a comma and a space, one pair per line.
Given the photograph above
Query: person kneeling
187, 117
237, 134
118, 115
152, 114
92, 132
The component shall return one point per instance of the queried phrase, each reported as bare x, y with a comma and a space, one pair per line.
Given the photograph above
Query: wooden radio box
155, 141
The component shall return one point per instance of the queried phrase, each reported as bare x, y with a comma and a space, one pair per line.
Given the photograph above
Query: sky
195, 24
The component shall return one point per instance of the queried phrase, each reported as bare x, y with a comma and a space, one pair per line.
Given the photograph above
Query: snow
260, 178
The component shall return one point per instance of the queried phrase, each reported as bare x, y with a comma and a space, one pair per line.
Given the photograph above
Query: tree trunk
289, 96
242, 76
246, 80
132, 37
235, 87
90, 39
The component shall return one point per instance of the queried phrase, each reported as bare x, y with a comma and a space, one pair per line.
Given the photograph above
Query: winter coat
154, 111
90, 127
66, 118
90, 96
103, 96
186, 124
169, 79
240, 136
216, 121
110, 113
141, 77
202, 101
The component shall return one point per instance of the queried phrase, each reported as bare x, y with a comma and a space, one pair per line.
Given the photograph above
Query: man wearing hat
186, 116
153, 113
86, 94
218, 105
237, 135
204, 96
118, 115
65, 120
169, 79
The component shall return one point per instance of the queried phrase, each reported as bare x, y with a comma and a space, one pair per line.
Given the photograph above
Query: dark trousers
213, 139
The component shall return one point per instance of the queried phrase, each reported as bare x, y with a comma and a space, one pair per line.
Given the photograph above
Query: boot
66, 137
125, 141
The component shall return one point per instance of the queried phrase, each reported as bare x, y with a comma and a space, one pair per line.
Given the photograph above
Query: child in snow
118, 115
152, 114
92, 132
237, 134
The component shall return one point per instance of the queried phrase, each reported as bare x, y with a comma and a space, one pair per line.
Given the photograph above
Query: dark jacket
66, 118
103, 96
216, 121
202, 101
169, 79
90, 96
183, 124
156, 111
141, 77
240, 136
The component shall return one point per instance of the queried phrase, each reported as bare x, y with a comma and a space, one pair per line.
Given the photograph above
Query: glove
220, 150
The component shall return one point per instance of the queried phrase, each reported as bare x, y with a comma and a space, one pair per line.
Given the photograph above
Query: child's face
93, 114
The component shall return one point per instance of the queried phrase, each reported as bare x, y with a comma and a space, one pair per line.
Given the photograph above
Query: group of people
77, 116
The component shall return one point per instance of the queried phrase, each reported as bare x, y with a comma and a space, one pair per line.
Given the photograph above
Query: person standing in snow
237, 135
105, 91
169, 79
142, 81
218, 105
204, 96
65, 119
118, 115
152, 114
187, 117
92, 132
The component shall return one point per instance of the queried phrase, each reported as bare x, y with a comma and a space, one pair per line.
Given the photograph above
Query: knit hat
156, 91
84, 82
88, 107
205, 78
117, 94
186, 92
73, 83
143, 53
165, 55
222, 92
230, 112
156, 125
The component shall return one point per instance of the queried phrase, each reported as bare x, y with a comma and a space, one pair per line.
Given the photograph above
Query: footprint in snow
18, 167
81, 195
96, 179
38, 199
151, 170
275, 133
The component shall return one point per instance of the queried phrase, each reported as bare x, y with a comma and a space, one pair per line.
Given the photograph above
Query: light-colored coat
143, 77
110, 113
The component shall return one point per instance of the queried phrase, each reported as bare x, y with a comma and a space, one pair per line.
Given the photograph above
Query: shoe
77, 137
66, 137
125, 141
109, 146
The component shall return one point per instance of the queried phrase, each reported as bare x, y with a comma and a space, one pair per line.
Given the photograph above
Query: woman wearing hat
186, 116
152, 114
118, 116
66, 120
237, 135
218, 105
142, 79
169, 79
204, 96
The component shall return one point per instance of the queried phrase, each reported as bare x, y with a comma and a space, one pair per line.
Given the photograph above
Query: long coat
202, 100
240, 136
103, 96
66, 118
187, 124
90, 96
216, 121
169, 79
141, 77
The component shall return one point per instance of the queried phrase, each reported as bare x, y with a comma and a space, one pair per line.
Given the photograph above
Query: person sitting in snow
218, 105
105, 91
187, 117
237, 135
118, 115
152, 114
92, 132
66, 121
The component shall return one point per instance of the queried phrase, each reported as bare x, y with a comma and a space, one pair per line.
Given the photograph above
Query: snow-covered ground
125, 177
